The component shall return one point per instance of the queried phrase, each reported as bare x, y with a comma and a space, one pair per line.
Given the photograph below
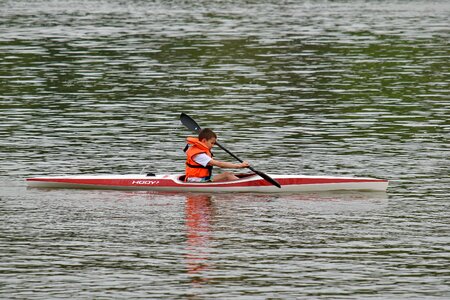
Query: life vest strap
199, 167
195, 166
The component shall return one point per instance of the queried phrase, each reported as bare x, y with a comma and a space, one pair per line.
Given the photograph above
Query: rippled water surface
295, 87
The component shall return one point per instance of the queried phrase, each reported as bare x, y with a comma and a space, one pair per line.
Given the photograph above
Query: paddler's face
210, 143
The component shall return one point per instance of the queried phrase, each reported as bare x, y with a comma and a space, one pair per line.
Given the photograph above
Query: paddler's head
207, 137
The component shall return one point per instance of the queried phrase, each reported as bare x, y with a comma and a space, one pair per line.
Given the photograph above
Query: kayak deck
246, 183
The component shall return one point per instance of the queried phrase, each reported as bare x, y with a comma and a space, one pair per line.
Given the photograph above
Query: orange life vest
194, 169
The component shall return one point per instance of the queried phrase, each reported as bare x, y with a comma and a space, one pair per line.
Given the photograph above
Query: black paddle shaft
192, 125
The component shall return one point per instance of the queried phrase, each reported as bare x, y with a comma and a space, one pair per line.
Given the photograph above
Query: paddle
192, 125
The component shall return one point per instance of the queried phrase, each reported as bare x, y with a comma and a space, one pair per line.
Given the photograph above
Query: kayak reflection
199, 211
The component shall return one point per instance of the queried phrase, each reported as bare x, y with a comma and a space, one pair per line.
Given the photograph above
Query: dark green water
295, 87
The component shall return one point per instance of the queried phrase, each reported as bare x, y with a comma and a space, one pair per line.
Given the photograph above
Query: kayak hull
172, 183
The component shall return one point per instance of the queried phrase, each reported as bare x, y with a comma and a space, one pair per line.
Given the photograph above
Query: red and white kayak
246, 183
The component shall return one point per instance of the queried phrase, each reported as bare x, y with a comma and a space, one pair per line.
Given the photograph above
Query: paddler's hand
244, 165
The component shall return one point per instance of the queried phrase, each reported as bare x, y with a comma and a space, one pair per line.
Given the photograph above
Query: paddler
200, 162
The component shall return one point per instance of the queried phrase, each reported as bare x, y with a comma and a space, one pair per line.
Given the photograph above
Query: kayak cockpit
182, 178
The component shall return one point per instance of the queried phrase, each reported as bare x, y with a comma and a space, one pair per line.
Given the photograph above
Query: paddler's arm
228, 165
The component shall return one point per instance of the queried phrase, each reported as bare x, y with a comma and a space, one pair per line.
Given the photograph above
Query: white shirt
202, 159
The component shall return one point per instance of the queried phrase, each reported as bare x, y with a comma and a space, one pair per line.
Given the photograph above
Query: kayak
175, 182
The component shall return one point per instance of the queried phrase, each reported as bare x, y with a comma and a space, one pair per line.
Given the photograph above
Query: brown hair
207, 133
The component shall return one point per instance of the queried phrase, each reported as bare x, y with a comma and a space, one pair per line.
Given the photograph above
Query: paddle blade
189, 123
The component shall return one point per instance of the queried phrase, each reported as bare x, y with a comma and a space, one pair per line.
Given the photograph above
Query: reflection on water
199, 215
211, 217
209, 244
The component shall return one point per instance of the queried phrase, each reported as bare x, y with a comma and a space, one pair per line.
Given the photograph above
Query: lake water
341, 88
